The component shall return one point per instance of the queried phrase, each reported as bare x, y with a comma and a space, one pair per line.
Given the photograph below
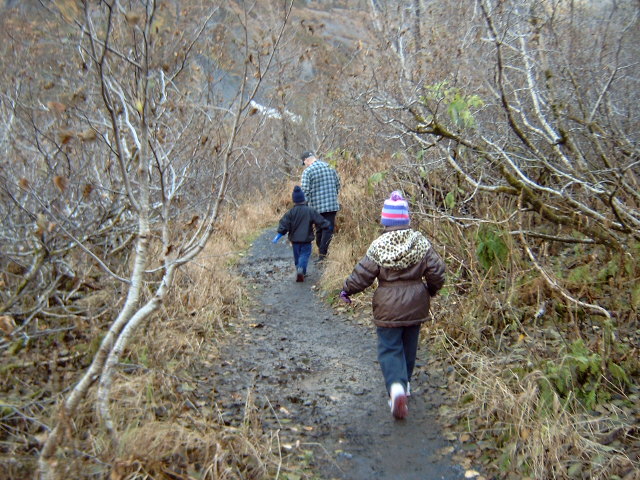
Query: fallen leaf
194, 221
132, 17
65, 136
56, 106
88, 135
446, 450
7, 324
86, 191
465, 462
60, 182
471, 474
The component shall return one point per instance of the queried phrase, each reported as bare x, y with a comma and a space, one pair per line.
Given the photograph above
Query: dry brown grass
485, 324
501, 408
480, 327
162, 430
198, 444
357, 222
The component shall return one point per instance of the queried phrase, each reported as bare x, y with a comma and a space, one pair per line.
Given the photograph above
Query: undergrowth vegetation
511, 127
168, 433
544, 389
164, 429
540, 389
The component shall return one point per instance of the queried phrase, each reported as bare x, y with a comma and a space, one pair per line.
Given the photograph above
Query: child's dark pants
397, 349
301, 254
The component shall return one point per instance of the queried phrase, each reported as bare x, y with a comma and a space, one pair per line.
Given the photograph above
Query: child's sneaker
299, 275
398, 401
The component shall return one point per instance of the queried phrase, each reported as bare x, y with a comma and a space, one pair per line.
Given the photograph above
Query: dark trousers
301, 254
397, 349
323, 237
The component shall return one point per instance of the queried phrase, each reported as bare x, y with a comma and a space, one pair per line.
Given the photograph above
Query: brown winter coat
403, 295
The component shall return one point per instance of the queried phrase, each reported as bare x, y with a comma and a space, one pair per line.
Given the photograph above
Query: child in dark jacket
409, 273
298, 222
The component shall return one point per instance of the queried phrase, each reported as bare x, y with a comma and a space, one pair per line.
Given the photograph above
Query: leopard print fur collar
398, 249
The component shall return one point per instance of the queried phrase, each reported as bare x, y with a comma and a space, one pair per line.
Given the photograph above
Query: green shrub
491, 248
579, 375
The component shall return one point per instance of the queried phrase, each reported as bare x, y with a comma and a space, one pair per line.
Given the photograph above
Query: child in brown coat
409, 273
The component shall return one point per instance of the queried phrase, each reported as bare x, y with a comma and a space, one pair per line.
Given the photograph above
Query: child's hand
344, 297
276, 238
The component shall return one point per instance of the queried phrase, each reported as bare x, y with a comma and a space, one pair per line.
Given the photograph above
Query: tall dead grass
164, 430
357, 222
199, 445
491, 326
501, 407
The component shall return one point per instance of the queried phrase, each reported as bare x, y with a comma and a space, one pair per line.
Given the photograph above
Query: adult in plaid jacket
321, 185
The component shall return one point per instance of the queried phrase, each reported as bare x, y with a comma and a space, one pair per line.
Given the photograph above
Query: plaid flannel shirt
321, 184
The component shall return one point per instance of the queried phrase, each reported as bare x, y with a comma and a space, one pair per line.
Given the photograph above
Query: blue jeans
397, 350
301, 254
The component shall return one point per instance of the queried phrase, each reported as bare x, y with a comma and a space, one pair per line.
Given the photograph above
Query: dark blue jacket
298, 223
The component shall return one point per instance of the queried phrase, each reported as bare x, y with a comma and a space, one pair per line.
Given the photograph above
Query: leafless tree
119, 159
540, 108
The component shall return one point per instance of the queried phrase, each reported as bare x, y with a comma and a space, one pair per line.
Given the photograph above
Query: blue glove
276, 238
344, 296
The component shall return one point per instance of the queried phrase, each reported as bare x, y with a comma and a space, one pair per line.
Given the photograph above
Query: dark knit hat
395, 211
298, 195
306, 155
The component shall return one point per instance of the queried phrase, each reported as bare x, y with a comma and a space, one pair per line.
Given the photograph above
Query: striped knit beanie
395, 211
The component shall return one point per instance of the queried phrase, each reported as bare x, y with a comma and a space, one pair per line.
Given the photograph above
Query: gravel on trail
312, 369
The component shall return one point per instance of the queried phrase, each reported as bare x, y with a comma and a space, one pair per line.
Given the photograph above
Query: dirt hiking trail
313, 372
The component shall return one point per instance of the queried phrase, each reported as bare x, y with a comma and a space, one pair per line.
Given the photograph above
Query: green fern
491, 249
579, 375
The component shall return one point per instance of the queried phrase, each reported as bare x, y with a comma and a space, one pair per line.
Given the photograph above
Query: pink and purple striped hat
395, 211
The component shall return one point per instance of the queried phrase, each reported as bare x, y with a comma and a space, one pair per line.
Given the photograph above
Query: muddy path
312, 370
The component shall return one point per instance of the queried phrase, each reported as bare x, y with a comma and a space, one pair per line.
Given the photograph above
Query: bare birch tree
122, 162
